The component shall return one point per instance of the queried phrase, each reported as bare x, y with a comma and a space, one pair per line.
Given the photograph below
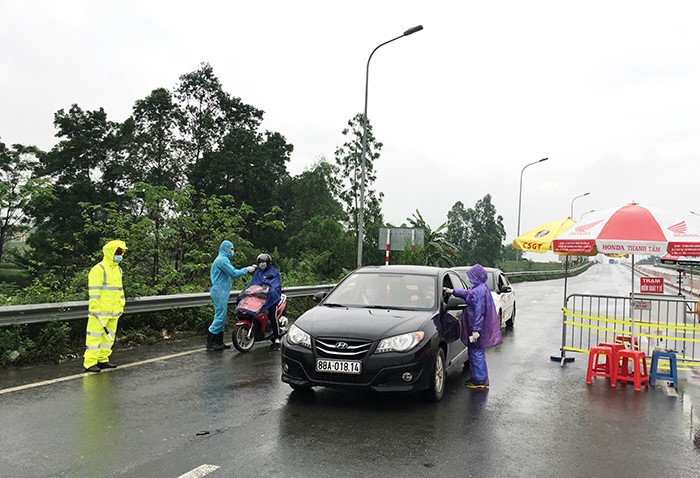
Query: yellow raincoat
105, 305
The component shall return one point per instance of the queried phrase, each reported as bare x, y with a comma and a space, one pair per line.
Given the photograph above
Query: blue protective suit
221, 274
479, 316
271, 278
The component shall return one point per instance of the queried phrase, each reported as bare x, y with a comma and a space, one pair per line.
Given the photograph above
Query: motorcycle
252, 323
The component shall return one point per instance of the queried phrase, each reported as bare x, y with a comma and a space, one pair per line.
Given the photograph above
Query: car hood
360, 323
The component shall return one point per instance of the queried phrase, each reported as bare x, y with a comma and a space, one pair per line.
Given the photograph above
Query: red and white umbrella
630, 229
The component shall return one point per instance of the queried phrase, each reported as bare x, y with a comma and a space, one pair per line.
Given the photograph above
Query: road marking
80, 375
200, 471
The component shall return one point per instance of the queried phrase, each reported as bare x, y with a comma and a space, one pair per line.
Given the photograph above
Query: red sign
651, 285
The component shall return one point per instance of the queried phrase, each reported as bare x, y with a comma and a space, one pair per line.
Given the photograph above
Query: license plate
339, 366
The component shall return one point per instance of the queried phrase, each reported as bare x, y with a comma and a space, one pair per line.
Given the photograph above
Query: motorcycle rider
267, 275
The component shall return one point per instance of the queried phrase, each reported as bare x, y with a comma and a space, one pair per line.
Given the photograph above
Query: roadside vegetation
190, 167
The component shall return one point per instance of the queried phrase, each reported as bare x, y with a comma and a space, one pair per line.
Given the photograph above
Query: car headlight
400, 343
296, 336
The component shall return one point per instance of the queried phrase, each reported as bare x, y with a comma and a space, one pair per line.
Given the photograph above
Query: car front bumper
380, 372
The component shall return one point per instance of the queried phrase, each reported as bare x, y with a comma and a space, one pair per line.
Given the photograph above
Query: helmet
265, 259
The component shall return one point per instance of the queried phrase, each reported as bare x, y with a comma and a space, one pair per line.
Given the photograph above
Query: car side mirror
455, 303
506, 288
319, 296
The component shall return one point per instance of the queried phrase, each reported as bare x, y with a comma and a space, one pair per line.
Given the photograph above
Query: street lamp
571, 214
520, 197
587, 212
361, 215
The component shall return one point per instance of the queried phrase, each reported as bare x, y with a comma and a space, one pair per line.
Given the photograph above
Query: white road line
80, 375
200, 471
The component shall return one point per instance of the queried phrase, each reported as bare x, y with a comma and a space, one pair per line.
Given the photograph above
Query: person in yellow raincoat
105, 305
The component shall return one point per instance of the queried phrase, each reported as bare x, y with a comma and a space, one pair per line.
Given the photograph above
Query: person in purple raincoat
481, 328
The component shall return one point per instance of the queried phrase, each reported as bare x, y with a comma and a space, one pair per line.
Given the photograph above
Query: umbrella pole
563, 358
632, 305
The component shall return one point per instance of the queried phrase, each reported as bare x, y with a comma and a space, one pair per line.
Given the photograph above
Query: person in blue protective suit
266, 275
221, 274
481, 328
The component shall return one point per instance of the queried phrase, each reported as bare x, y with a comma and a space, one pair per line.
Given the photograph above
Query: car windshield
490, 281
386, 291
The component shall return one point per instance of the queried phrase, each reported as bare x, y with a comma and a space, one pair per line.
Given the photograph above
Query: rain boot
212, 343
220, 340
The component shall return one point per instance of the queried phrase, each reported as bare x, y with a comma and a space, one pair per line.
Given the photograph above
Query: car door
506, 295
456, 350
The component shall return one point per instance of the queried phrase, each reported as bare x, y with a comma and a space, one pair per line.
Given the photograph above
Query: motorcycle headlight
296, 336
400, 343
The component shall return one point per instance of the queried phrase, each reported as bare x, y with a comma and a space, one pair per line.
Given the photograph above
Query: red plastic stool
616, 347
640, 374
601, 369
627, 339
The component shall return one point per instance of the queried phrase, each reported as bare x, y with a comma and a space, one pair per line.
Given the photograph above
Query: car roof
466, 268
403, 269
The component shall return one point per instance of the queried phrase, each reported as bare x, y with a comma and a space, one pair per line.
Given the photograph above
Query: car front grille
342, 349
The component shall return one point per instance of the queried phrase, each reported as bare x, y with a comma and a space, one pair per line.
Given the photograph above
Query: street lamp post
520, 197
361, 215
571, 214
587, 212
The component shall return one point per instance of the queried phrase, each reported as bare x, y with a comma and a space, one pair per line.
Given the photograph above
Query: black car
383, 328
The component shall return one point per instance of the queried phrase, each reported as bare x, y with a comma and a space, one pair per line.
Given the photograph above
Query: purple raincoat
480, 314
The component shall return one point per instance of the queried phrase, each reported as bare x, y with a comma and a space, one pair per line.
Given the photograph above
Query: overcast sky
609, 91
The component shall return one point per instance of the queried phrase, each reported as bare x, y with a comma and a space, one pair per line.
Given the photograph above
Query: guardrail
37, 313
547, 273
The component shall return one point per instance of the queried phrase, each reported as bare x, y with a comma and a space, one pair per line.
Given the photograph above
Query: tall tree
154, 149
348, 157
458, 231
209, 114
81, 167
17, 189
486, 233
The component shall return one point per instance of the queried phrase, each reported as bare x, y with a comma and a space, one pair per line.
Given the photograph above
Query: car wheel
437, 378
510, 322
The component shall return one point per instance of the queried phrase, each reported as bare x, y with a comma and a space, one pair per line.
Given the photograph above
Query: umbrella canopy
630, 229
540, 238
680, 260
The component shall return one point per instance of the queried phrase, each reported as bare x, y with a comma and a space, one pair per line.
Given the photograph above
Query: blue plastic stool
673, 373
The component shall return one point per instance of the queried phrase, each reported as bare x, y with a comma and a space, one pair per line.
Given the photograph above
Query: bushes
22, 344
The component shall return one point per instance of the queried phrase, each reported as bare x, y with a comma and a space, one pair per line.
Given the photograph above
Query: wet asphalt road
165, 418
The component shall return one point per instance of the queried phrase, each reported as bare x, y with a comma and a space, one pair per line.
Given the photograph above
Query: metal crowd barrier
667, 322
37, 313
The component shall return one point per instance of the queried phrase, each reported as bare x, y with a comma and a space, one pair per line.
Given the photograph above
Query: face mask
118, 259
231, 253
262, 266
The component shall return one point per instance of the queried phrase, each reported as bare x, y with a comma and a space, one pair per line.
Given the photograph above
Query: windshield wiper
331, 304
385, 307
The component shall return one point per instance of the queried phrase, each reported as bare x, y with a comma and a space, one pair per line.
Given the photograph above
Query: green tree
458, 231
486, 233
313, 193
17, 189
436, 250
348, 158
81, 167
154, 146
209, 114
